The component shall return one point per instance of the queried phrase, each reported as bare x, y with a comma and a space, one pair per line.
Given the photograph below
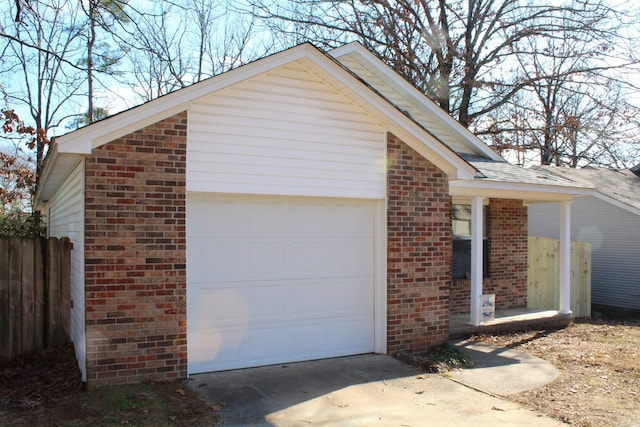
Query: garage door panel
264, 302
311, 300
243, 302
225, 345
351, 291
205, 305
260, 258
304, 348
355, 220
305, 257
349, 257
263, 218
222, 220
275, 280
348, 336
220, 256
265, 345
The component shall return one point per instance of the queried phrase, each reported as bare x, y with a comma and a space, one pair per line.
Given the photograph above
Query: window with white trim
461, 263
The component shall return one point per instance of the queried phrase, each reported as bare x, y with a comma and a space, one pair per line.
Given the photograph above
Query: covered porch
504, 242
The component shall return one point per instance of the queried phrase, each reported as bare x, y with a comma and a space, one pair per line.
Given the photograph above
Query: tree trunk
90, 44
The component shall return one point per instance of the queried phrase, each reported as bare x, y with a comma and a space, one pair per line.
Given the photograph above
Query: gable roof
618, 187
83, 140
67, 148
355, 73
495, 175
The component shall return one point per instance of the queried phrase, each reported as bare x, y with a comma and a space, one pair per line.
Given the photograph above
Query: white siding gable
287, 132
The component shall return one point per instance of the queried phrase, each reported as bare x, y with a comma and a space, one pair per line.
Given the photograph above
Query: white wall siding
64, 216
285, 133
614, 235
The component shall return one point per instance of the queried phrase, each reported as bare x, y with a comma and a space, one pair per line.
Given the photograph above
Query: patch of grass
451, 356
438, 359
122, 399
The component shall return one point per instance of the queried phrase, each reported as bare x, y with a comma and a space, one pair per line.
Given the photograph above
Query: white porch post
476, 259
565, 258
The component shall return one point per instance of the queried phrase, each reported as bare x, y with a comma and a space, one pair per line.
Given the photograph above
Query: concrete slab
361, 390
502, 371
512, 319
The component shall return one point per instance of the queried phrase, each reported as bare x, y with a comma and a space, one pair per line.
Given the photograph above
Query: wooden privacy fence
35, 294
543, 278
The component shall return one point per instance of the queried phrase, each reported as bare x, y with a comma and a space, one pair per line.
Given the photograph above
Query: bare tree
463, 54
575, 110
158, 56
101, 15
37, 74
176, 44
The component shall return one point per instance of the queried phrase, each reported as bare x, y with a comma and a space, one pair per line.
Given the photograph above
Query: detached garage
282, 211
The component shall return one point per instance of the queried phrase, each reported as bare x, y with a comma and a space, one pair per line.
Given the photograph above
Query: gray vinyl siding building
610, 221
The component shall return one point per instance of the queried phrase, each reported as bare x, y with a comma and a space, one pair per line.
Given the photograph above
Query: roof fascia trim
521, 191
49, 187
49, 164
616, 203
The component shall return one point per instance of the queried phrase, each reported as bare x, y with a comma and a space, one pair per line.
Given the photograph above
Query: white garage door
274, 280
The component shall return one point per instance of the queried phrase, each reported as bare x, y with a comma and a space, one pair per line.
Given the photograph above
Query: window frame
461, 236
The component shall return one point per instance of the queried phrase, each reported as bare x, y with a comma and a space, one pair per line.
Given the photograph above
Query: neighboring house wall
418, 251
135, 261
614, 234
507, 239
64, 216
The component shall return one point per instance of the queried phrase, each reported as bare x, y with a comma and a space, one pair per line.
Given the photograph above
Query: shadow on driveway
502, 371
353, 391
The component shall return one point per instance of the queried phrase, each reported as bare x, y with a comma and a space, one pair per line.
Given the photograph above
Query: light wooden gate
543, 278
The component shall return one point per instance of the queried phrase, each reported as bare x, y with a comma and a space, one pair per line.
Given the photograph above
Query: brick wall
507, 234
135, 261
460, 296
419, 251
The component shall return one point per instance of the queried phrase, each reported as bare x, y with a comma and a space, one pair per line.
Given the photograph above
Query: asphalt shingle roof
505, 172
620, 185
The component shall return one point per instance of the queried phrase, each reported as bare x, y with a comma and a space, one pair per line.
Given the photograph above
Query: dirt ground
599, 364
46, 390
599, 384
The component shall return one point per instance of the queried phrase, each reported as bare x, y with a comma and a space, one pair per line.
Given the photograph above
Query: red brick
507, 239
134, 210
419, 251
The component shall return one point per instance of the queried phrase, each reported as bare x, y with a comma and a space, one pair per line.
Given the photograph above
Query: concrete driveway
364, 390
